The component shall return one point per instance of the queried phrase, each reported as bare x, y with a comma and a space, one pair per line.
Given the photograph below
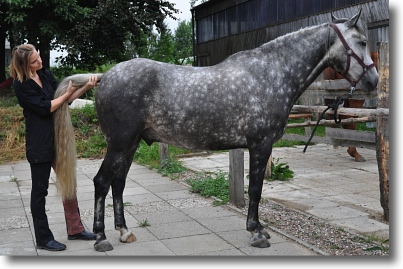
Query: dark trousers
40, 173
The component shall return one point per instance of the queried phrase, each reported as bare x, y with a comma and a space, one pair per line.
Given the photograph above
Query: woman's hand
70, 89
92, 82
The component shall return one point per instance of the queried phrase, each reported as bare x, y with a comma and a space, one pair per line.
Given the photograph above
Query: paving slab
180, 223
327, 183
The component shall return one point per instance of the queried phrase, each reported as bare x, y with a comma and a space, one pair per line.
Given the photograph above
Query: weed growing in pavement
144, 223
211, 185
280, 171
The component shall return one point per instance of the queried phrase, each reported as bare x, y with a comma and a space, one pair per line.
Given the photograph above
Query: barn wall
375, 18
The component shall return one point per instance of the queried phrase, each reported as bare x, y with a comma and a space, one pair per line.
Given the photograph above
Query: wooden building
224, 27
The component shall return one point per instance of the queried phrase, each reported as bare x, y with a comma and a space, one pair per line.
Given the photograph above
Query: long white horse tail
65, 147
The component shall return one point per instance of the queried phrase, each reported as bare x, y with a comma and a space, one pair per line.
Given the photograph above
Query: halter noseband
339, 100
350, 53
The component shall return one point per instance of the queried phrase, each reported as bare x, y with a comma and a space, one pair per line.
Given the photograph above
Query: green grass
150, 156
144, 223
209, 185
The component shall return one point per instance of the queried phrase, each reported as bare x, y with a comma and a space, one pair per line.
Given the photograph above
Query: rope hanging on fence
337, 119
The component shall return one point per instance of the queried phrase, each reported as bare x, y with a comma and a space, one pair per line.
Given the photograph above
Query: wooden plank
236, 177
351, 143
295, 137
353, 112
346, 134
299, 116
382, 128
324, 122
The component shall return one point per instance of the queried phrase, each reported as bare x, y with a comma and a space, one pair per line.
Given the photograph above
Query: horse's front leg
258, 160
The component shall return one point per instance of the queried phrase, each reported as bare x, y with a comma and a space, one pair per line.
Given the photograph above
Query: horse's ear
334, 18
353, 21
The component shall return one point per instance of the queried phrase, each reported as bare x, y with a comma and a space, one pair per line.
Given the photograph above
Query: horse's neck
300, 55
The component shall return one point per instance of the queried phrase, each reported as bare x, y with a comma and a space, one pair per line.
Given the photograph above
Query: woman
35, 88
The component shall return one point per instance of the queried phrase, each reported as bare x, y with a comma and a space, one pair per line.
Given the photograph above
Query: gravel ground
318, 234
311, 231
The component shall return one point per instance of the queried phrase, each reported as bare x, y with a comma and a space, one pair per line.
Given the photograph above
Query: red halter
350, 53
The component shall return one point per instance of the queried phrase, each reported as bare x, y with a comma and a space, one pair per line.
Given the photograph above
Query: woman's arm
92, 81
56, 103
72, 93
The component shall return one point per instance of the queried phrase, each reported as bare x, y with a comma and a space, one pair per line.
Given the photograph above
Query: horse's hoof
103, 246
353, 153
359, 159
128, 237
259, 240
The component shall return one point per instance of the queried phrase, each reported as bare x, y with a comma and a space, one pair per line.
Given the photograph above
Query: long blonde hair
65, 147
19, 67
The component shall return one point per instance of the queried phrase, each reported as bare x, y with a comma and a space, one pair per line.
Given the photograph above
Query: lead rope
335, 105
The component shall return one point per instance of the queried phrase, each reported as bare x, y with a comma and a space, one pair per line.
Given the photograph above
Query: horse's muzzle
370, 80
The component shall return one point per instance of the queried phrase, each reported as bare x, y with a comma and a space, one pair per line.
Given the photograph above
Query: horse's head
349, 54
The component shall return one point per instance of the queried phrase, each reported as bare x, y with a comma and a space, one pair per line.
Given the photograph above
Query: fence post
164, 154
382, 127
236, 177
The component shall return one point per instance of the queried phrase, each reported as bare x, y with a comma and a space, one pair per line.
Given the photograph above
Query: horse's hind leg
259, 156
126, 236
113, 173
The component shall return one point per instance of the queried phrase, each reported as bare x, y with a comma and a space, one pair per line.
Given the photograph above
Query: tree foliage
93, 32
183, 41
102, 36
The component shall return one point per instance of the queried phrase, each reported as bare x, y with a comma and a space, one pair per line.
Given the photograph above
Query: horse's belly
202, 139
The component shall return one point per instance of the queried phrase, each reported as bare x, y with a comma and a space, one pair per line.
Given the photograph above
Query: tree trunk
2, 55
44, 50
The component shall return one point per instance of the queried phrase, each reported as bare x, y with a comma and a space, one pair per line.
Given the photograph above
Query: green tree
4, 28
162, 47
42, 23
103, 36
159, 46
93, 32
183, 41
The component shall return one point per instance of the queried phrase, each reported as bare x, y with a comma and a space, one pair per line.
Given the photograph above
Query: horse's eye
364, 43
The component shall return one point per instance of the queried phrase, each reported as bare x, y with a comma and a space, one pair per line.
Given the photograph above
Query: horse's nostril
372, 86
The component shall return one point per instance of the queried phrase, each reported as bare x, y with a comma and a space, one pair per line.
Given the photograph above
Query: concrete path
181, 223
327, 183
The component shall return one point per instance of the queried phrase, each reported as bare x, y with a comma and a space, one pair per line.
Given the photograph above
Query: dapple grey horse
242, 102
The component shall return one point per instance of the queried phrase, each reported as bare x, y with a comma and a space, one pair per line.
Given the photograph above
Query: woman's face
35, 61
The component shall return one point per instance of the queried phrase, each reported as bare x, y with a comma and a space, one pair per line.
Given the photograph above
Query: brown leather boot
72, 216
75, 228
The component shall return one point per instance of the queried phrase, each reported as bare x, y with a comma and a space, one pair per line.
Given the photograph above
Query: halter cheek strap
351, 53
339, 100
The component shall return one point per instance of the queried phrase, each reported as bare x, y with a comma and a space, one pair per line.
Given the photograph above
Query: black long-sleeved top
36, 102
